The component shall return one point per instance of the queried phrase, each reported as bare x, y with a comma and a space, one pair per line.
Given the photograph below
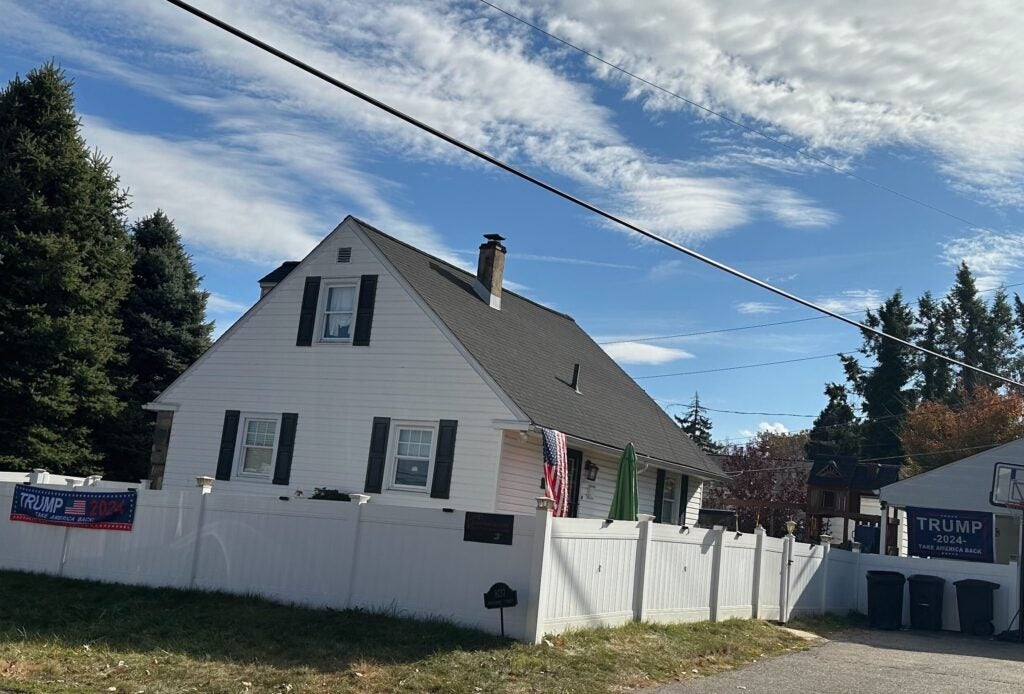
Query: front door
575, 472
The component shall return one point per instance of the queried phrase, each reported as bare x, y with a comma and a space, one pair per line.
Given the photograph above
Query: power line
765, 414
746, 366
455, 142
653, 338
739, 124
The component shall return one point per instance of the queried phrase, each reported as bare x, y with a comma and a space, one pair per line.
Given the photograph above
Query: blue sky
256, 161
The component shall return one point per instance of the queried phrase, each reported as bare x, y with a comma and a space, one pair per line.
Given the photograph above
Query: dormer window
339, 311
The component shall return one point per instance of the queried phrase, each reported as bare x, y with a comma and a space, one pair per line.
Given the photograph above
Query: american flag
556, 470
76, 509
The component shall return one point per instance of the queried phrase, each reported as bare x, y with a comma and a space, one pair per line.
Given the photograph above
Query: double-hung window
258, 444
339, 311
412, 456
668, 500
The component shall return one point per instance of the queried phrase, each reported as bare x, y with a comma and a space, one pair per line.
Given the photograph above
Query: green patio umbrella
625, 503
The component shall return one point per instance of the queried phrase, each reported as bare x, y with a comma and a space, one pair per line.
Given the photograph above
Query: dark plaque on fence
492, 528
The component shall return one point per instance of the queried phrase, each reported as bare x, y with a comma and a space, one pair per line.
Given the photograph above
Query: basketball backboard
1008, 485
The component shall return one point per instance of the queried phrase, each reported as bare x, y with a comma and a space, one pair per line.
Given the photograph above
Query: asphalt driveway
865, 662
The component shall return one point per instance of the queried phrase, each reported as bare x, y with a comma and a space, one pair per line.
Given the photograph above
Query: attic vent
344, 255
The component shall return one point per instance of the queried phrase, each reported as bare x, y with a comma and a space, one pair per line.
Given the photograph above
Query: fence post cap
645, 517
205, 483
359, 498
545, 504
826, 539
40, 470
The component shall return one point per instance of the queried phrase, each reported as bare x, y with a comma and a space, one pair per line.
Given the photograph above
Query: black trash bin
885, 599
926, 602
974, 604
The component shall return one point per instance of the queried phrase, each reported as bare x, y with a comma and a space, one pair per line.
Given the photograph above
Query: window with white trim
412, 456
669, 498
339, 313
257, 446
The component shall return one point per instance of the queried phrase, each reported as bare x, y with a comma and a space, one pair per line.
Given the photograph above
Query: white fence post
826, 547
361, 500
38, 476
205, 485
640, 576
537, 604
716, 571
755, 591
787, 560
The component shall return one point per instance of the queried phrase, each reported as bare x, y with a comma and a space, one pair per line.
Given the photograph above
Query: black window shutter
307, 313
228, 436
378, 453
444, 458
684, 494
364, 311
285, 448
659, 497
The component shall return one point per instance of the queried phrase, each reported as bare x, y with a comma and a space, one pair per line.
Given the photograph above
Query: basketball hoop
1008, 492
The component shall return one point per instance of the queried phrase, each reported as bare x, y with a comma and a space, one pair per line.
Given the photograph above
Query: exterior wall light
591, 471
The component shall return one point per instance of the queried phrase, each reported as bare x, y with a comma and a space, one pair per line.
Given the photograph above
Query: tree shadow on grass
217, 626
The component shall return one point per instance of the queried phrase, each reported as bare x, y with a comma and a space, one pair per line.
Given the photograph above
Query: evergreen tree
936, 331
836, 430
64, 265
972, 326
164, 321
884, 388
1001, 353
697, 426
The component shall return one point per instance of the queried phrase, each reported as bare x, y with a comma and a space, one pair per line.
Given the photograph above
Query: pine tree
972, 326
697, 426
936, 333
164, 321
64, 265
884, 388
836, 430
1001, 353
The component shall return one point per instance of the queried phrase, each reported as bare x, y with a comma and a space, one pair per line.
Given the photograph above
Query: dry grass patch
74, 636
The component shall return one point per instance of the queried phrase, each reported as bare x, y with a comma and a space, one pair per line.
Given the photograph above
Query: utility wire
653, 338
455, 142
746, 366
739, 124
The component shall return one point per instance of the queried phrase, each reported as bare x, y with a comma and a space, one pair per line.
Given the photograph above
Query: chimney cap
497, 238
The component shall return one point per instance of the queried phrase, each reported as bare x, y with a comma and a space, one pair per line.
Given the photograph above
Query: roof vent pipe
575, 377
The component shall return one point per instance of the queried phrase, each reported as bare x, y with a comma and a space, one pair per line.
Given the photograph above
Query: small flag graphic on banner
76, 509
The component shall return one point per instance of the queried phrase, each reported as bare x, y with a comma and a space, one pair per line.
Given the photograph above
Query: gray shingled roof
529, 351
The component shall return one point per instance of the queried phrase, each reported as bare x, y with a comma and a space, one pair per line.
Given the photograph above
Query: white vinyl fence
568, 573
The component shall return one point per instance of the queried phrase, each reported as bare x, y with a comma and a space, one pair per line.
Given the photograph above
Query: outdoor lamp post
790, 526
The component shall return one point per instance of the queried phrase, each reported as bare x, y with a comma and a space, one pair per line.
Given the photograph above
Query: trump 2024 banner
963, 535
75, 509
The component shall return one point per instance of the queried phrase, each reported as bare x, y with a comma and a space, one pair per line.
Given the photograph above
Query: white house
965, 485
373, 367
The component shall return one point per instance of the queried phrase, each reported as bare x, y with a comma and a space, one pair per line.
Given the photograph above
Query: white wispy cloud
219, 304
766, 427
757, 307
852, 300
644, 353
991, 256
442, 62
835, 77
572, 261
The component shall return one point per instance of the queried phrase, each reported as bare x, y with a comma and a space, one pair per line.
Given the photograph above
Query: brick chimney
489, 270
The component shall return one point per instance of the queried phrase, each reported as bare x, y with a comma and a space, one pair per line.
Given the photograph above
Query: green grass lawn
73, 636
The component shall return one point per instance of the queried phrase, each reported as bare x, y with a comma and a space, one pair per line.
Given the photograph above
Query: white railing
569, 573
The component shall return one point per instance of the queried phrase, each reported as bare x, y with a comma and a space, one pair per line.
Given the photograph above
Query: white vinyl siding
409, 372
521, 469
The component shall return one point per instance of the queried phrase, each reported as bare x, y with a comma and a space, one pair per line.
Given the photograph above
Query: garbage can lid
976, 583
886, 576
923, 578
